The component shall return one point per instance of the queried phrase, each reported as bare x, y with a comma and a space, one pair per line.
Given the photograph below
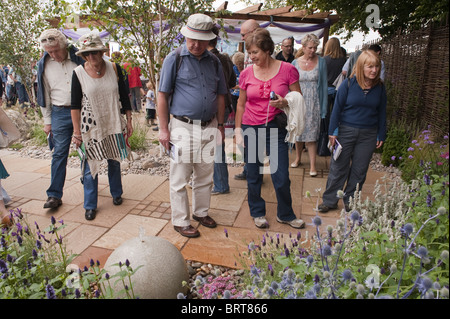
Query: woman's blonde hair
333, 49
370, 58
310, 38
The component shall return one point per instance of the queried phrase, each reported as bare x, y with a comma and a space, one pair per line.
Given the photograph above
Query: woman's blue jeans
260, 140
91, 184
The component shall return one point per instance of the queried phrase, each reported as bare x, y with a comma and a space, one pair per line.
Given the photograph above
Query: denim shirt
197, 84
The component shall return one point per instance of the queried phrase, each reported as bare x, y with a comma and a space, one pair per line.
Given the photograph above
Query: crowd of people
88, 101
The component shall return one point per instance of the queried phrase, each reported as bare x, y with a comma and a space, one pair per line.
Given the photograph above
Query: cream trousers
196, 146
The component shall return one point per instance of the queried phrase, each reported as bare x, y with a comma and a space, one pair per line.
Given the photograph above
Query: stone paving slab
147, 204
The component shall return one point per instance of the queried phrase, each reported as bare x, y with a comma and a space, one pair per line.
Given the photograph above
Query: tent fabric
278, 31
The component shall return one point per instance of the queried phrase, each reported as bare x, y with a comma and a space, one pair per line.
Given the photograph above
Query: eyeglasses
85, 54
287, 46
49, 39
244, 34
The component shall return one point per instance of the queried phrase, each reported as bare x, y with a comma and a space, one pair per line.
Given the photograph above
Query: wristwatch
219, 124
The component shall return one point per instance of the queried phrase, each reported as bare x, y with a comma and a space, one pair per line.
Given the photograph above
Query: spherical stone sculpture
161, 275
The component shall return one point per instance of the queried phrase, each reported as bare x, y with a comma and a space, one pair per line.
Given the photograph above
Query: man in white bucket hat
192, 80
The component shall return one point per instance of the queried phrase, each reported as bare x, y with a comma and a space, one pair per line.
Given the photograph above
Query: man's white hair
52, 38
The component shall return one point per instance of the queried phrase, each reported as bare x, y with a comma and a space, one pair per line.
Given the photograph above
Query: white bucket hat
90, 42
198, 27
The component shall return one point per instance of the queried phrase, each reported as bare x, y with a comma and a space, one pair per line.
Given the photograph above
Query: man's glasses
86, 54
244, 34
287, 46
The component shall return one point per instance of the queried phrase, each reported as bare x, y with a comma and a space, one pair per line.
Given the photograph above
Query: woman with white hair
313, 83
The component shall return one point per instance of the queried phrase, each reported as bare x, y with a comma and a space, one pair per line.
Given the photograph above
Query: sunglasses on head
49, 39
85, 54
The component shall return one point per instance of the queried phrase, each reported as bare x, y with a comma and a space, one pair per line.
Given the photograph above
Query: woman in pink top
260, 127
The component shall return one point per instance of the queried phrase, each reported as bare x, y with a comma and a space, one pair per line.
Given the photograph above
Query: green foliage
38, 135
16, 146
395, 146
425, 153
139, 138
21, 23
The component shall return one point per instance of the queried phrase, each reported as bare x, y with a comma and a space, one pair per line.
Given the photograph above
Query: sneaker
261, 222
324, 208
296, 223
214, 192
155, 129
241, 176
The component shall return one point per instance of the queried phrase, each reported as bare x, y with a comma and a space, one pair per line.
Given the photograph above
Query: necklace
99, 72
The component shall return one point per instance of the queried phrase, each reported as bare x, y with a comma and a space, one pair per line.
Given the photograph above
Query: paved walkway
146, 204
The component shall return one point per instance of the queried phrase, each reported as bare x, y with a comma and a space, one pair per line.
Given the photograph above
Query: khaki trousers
196, 146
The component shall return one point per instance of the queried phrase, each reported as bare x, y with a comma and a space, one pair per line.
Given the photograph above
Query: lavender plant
33, 265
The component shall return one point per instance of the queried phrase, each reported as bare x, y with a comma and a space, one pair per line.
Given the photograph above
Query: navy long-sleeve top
355, 108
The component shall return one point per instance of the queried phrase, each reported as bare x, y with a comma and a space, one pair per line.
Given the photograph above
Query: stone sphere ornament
161, 275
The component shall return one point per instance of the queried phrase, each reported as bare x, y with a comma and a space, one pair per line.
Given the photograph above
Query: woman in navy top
358, 123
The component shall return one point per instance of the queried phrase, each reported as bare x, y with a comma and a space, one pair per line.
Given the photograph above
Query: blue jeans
352, 165
270, 138
91, 184
62, 130
220, 177
22, 93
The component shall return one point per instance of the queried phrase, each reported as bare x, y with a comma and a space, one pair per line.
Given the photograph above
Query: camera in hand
273, 96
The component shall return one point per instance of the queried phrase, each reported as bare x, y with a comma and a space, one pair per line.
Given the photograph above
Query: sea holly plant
392, 246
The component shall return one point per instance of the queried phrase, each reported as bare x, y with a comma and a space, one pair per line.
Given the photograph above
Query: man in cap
54, 77
192, 78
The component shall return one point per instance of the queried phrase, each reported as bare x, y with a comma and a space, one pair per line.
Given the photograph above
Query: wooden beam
261, 17
223, 6
295, 14
251, 9
273, 12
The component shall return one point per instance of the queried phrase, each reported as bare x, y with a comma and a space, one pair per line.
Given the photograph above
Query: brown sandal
6, 222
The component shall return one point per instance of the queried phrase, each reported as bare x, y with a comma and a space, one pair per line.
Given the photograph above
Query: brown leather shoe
206, 221
53, 202
187, 231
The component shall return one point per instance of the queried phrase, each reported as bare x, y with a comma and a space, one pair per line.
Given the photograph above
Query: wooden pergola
284, 14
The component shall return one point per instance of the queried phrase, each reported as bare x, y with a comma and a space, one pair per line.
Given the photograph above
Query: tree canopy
146, 30
359, 15
21, 23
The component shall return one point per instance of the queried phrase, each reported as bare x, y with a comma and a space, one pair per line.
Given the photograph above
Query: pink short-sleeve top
257, 109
